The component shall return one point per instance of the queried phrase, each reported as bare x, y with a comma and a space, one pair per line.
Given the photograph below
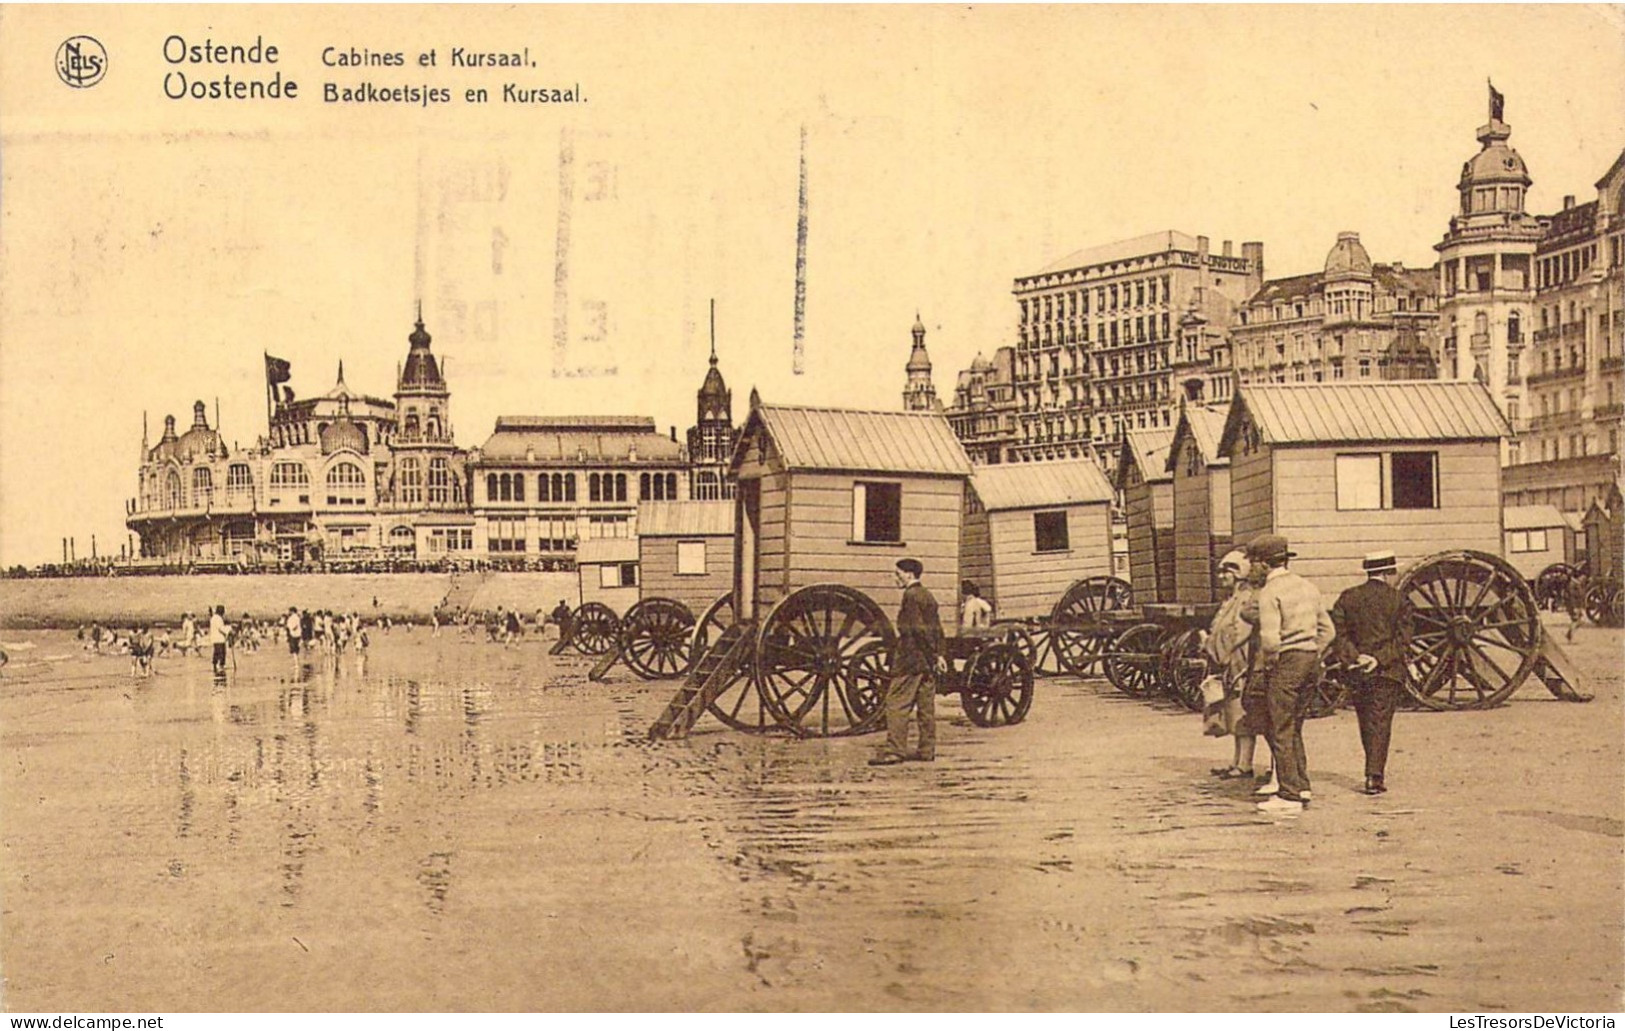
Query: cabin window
1526, 540
1049, 531
1401, 480
877, 512
618, 574
1415, 479
1359, 482
690, 558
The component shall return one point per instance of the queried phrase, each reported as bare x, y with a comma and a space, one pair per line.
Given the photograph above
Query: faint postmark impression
81, 61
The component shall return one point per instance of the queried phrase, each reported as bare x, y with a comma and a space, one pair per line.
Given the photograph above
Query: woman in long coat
1229, 647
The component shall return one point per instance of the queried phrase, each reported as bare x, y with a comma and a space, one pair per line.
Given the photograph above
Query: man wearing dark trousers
1369, 643
1293, 629
921, 654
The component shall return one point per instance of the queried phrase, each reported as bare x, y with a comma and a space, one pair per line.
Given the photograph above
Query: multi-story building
1486, 280
1568, 450
1354, 319
350, 476
1097, 330
983, 411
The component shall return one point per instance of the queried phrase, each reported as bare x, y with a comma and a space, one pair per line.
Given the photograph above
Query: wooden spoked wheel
806, 652
1183, 668
1616, 608
718, 617
1079, 645
655, 638
998, 687
593, 628
1472, 630
1131, 664
1602, 604
867, 677
1552, 584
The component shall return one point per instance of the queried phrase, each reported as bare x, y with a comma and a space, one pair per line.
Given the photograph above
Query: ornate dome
1348, 258
713, 389
422, 372
1496, 163
344, 433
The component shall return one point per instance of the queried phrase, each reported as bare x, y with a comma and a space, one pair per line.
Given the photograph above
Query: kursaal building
351, 476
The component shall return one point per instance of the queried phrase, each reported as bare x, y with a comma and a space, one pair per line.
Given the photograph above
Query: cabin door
747, 547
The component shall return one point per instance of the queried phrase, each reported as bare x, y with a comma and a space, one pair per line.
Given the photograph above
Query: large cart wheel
1036, 642
867, 676
1552, 585
1131, 664
717, 618
805, 660
1472, 628
655, 638
1327, 693
1183, 668
1079, 645
998, 688
1616, 607
1600, 600
593, 628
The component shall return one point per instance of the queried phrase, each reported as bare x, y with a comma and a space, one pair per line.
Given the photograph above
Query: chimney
1227, 251
1568, 201
1201, 250
674, 434
1253, 253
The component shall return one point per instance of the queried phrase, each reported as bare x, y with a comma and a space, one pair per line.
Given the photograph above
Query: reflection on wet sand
442, 825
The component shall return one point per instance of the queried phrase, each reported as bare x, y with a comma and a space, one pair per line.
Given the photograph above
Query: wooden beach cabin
686, 551
608, 572
1605, 535
1201, 493
832, 495
1537, 536
1342, 469
1032, 529
1148, 504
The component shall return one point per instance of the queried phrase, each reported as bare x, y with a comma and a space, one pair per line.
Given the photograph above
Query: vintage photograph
807, 508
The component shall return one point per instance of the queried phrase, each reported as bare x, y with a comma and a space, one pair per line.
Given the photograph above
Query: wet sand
464, 827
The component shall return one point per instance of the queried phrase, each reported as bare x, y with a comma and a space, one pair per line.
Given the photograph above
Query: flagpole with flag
1497, 103
277, 370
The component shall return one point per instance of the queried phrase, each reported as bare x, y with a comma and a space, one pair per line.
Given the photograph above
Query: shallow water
463, 826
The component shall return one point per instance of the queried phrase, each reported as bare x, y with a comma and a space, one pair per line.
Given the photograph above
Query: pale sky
151, 249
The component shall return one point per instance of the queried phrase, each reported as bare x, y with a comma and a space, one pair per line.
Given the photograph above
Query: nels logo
81, 61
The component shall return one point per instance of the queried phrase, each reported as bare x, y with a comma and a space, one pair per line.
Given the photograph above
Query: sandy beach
467, 827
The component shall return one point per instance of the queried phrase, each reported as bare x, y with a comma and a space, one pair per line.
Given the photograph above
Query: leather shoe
921, 757
1375, 786
1280, 806
888, 760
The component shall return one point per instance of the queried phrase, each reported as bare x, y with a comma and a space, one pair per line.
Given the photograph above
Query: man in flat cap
1293, 629
1369, 642
921, 654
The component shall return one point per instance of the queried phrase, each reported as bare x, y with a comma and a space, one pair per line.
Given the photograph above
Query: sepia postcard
807, 508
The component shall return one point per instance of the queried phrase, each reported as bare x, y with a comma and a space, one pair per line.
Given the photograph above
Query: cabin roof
1003, 488
686, 519
850, 440
1334, 413
1532, 517
1205, 426
1149, 450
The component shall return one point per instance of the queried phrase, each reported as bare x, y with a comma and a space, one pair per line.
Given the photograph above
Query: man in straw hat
1369, 642
921, 655
1293, 629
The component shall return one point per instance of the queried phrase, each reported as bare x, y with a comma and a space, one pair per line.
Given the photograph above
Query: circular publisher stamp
81, 61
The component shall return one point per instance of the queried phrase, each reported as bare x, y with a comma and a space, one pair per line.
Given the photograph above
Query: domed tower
1349, 281
426, 473
919, 395
711, 438
1486, 261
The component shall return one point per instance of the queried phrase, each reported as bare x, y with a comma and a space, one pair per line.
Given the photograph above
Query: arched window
346, 485
491, 487
239, 481
409, 428
402, 538
705, 487
439, 481
289, 476
569, 487
643, 489
202, 488
519, 486
620, 486
410, 481
592, 487
173, 494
